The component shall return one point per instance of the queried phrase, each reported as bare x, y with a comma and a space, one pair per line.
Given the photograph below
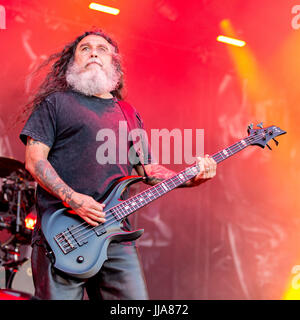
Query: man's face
93, 52
93, 71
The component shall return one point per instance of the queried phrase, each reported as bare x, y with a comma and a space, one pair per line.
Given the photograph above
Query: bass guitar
80, 249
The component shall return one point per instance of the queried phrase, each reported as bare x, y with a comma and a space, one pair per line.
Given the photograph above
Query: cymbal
9, 165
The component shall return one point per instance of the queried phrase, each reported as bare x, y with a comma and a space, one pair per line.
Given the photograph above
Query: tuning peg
268, 146
276, 142
260, 125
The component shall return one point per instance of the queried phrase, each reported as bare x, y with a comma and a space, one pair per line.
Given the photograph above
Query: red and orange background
238, 235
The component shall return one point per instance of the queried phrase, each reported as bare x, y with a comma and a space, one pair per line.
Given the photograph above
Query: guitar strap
134, 121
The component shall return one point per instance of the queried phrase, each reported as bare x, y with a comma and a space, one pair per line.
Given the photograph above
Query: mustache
94, 60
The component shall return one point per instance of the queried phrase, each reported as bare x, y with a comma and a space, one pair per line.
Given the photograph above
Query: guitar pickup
99, 230
77, 236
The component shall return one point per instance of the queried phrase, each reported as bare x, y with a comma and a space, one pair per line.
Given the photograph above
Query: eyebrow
88, 44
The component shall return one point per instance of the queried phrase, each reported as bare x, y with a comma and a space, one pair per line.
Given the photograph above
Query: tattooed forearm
157, 173
49, 179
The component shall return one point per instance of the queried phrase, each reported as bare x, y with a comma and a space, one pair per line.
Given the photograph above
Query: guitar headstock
261, 136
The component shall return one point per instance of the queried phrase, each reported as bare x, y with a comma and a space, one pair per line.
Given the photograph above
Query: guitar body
78, 248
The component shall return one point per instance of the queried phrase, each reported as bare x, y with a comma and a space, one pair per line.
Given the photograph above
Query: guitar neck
126, 207
233, 149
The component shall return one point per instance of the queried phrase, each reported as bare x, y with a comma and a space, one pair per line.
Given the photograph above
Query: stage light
30, 221
102, 8
232, 41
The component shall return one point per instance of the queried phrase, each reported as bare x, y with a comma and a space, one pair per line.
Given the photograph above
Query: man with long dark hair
81, 95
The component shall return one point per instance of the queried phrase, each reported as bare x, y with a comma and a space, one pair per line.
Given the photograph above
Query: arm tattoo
49, 179
31, 142
157, 173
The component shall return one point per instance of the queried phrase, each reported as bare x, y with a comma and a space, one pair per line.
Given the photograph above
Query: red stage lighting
30, 221
8, 294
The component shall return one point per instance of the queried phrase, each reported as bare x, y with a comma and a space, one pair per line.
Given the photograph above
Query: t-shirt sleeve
41, 125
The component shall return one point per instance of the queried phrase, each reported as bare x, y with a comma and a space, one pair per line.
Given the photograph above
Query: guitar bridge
64, 243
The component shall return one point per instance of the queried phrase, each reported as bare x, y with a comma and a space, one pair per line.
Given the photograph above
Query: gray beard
94, 81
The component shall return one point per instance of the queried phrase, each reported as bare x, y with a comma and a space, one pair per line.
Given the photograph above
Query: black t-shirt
69, 123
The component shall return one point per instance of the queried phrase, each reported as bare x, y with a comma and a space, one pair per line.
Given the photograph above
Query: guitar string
111, 219
232, 149
89, 228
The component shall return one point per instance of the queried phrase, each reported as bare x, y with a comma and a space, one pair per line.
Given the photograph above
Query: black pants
121, 277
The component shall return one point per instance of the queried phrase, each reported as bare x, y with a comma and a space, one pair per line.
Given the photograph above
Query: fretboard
126, 207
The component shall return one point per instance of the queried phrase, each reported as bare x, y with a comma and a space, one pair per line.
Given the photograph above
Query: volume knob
80, 259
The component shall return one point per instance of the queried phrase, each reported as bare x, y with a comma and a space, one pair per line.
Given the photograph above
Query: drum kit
17, 220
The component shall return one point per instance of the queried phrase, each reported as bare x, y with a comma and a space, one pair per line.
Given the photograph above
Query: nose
94, 53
